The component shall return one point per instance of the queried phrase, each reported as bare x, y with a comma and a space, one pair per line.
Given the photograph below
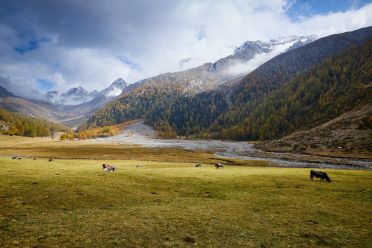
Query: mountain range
70, 107
258, 105
77, 104
208, 76
79, 95
263, 91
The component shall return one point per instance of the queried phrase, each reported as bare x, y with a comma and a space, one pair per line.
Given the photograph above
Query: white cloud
324, 25
95, 44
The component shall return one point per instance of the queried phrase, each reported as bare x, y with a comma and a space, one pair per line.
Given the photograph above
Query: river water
144, 135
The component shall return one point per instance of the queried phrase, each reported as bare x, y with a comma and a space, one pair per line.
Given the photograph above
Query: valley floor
72, 203
144, 136
139, 142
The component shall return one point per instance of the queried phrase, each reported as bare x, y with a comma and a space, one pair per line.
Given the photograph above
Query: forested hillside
21, 125
148, 102
242, 98
299, 89
310, 99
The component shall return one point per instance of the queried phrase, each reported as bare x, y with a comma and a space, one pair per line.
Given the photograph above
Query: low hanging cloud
78, 43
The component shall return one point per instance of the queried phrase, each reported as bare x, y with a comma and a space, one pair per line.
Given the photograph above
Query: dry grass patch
45, 148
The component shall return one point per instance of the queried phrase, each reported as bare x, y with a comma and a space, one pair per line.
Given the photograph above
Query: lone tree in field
52, 132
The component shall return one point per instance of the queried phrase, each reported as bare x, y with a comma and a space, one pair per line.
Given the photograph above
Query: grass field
72, 203
46, 148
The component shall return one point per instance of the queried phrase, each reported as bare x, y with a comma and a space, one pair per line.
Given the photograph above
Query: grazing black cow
35, 158
219, 165
319, 174
19, 158
198, 165
14, 157
51, 159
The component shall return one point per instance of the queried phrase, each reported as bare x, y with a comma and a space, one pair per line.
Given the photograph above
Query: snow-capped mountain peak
115, 88
76, 92
73, 96
94, 93
79, 95
252, 54
250, 48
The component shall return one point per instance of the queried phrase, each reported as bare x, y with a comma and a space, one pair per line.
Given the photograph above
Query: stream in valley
143, 135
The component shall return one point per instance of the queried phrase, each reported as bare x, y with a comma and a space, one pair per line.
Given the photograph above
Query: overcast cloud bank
91, 43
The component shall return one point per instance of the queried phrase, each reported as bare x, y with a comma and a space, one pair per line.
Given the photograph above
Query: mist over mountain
208, 76
252, 54
4, 92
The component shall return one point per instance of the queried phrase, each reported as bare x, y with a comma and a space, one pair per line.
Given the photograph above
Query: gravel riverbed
144, 135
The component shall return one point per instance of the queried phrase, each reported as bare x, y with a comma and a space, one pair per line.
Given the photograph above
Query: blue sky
29, 46
59, 44
306, 8
44, 85
28, 42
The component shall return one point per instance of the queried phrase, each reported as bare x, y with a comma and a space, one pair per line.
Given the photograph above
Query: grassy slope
71, 202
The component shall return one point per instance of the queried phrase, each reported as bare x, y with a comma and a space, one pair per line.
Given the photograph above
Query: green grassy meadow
72, 203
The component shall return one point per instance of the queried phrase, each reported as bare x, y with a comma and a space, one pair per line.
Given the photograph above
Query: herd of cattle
317, 174
111, 168
35, 158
